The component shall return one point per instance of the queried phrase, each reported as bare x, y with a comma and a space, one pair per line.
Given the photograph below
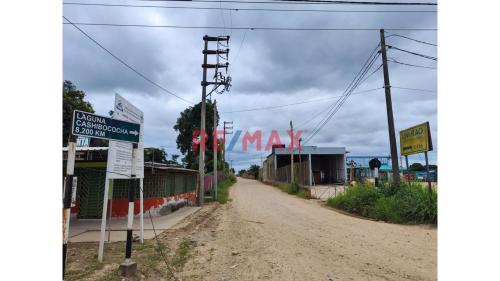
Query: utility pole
390, 117
291, 155
300, 161
216, 149
204, 83
224, 148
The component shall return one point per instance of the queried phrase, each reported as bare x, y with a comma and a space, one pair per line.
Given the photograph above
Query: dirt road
266, 234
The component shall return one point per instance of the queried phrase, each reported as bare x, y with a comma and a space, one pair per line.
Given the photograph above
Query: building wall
163, 192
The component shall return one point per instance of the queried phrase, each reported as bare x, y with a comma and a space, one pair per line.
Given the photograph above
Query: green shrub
408, 203
358, 199
387, 209
302, 193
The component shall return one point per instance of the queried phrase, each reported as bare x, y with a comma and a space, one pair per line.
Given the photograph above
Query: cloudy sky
268, 68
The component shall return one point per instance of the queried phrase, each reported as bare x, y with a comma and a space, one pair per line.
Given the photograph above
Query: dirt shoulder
265, 234
176, 245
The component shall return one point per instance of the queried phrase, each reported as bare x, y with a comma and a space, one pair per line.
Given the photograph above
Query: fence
300, 172
209, 181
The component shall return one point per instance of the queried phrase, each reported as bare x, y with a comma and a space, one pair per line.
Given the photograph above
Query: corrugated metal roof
86, 148
165, 167
312, 150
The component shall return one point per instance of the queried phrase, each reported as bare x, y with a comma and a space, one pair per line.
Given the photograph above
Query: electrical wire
369, 75
413, 53
246, 9
409, 38
246, 28
303, 2
409, 64
326, 108
126, 64
297, 103
413, 89
350, 88
160, 248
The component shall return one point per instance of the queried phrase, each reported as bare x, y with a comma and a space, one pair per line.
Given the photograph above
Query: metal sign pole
428, 174
68, 189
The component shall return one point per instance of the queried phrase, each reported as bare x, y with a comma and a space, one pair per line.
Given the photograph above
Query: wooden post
68, 190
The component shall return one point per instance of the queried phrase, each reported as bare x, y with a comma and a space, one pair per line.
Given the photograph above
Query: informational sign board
102, 127
416, 139
120, 154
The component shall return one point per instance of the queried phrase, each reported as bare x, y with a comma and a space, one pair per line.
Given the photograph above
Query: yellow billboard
415, 139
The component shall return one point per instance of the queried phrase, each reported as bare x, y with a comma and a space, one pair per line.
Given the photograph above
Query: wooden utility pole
390, 118
291, 153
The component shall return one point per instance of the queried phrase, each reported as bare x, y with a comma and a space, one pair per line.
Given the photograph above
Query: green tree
189, 122
416, 167
254, 169
241, 172
157, 154
72, 99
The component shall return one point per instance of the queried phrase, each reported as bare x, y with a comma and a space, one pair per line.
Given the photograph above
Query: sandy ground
266, 234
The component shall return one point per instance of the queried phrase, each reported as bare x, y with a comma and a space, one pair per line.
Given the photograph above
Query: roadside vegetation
408, 204
223, 188
291, 188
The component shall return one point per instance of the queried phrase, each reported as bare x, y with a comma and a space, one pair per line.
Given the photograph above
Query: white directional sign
120, 154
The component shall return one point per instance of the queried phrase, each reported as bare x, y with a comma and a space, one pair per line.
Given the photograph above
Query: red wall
120, 206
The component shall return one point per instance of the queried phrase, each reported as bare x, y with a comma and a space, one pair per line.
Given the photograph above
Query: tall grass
408, 203
223, 188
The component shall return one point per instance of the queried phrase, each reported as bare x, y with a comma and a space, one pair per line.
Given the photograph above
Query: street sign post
97, 126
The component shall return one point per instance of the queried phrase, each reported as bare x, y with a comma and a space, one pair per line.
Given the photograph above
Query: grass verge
408, 204
291, 188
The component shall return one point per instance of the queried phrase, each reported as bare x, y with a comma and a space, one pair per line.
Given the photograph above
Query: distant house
312, 165
166, 188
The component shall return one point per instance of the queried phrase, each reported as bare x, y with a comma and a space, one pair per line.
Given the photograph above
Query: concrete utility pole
204, 83
291, 155
224, 148
300, 161
390, 118
216, 149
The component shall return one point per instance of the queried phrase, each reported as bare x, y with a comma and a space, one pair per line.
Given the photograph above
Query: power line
296, 103
413, 53
350, 88
413, 89
246, 28
409, 64
303, 2
326, 108
245, 9
126, 64
368, 76
412, 39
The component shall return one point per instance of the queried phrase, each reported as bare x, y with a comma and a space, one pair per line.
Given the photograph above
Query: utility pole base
127, 269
